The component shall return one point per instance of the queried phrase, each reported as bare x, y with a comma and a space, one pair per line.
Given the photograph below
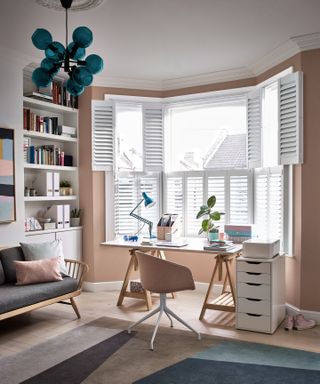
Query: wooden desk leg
125, 283
230, 281
204, 306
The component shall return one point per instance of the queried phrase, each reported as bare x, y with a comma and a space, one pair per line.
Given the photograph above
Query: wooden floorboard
22, 332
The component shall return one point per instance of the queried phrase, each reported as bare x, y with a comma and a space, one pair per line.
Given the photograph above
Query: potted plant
208, 223
75, 217
65, 188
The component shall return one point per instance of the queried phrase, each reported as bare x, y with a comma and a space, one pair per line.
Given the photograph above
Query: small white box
261, 248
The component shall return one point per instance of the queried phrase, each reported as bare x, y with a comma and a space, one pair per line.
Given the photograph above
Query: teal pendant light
70, 58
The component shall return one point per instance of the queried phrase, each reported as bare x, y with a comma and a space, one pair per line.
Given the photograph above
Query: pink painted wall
302, 270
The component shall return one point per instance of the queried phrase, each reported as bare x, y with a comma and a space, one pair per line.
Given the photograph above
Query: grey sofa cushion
14, 297
7, 256
2, 275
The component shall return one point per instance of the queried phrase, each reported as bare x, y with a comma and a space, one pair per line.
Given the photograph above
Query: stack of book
219, 246
37, 123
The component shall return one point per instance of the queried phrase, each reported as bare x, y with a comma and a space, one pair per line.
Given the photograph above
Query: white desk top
193, 245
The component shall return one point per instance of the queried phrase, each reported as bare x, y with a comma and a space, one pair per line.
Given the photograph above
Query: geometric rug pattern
101, 352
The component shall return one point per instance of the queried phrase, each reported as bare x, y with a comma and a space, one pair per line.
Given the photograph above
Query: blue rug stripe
262, 354
195, 371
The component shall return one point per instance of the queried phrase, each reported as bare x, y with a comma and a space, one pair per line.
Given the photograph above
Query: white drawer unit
260, 304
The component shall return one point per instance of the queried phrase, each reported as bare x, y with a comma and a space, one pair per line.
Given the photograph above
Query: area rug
242, 363
101, 352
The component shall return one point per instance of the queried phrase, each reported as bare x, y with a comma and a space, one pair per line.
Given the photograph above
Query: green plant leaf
205, 225
202, 213
200, 231
215, 216
211, 201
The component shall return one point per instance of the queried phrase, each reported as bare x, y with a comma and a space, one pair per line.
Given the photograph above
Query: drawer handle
253, 262
253, 273
254, 284
253, 314
250, 299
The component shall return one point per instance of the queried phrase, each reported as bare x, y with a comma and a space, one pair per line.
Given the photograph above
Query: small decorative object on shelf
75, 217
208, 226
65, 188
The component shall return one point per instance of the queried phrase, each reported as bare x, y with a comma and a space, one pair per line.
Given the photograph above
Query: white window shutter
153, 137
254, 129
126, 198
239, 199
195, 199
174, 197
217, 187
291, 119
102, 135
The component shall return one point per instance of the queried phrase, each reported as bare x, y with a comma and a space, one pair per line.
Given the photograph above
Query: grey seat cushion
7, 256
14, 297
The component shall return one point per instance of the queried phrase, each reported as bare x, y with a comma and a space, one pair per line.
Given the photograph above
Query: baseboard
116, 286
102, 286
292, 310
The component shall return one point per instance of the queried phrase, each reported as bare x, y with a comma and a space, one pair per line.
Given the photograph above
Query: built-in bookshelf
50, 137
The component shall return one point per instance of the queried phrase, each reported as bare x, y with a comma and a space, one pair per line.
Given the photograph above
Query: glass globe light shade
41, 77
50, 66
74, 88
41, 38
75, 51
55, 51
94, 63
82, 36
82, 76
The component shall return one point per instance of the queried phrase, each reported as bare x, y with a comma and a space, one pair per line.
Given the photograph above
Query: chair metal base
162, 308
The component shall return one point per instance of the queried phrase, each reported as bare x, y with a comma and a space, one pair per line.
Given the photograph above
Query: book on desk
219, 246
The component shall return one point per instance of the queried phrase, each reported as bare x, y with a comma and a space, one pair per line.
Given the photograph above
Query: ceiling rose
77, 5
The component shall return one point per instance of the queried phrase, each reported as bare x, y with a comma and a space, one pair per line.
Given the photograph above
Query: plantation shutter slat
254, 129
194, 185
268, 203
102, 136
290, 119
153, 137
216, 187
239, 199
125, 200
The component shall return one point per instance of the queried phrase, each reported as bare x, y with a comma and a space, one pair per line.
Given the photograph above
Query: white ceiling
163, 43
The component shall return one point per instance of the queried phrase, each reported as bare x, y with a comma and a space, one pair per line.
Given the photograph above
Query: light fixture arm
150, 223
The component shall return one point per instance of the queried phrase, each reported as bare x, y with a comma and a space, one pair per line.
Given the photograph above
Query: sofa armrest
77, 269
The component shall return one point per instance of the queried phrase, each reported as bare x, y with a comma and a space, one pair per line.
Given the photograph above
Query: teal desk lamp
148, 203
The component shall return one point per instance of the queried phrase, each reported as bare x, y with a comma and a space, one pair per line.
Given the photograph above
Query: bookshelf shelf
36, 199
50, 107
49, 167
48, 136
44, 231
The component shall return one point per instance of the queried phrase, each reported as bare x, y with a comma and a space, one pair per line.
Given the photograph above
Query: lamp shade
41, 77
148, 201
74, 88
75, 51
82, 36
55, 51
50, 66
82, 76
41, 38
94, 63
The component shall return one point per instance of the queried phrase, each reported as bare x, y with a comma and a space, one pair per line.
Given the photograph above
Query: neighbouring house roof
231, 153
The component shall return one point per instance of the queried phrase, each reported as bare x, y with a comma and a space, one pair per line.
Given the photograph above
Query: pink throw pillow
38, 271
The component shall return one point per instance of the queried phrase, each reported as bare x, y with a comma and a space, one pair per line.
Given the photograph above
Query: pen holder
165, 231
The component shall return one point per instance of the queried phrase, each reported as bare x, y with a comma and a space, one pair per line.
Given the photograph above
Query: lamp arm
150, 223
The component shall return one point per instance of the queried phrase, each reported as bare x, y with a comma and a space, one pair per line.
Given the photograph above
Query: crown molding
208, 78
130, 83
286, 50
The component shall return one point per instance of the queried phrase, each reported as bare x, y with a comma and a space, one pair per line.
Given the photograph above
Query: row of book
38, 123
44, 155
62, 97
56, 94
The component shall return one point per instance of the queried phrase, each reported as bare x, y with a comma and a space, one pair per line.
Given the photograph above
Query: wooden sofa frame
77, 270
